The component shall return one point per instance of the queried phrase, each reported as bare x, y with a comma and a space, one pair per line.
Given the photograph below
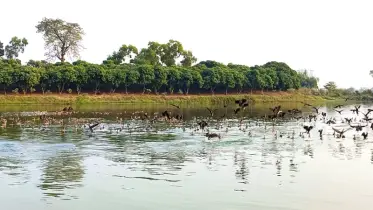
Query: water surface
133, 164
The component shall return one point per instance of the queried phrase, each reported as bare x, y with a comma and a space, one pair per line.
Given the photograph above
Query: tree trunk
97, 87
78, 89
4, 90
143, 89
212, 91
126, 90
226, 91
187, 90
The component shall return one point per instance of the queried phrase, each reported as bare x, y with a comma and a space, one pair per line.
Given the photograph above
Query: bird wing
336, 130
343, 131
175, 106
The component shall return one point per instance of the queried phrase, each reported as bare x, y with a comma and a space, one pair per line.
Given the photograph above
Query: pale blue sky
332, 37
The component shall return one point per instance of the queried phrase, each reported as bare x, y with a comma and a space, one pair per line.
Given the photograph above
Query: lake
131, 163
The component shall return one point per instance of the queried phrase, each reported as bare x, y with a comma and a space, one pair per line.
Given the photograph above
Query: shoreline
118, 98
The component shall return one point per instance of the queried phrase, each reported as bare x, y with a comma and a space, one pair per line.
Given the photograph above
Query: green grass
156, 99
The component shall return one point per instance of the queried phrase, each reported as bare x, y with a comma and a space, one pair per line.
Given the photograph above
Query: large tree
125, 52
330, 86
15, 46
61, 38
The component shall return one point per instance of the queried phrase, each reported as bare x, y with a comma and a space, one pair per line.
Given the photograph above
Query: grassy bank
155, 99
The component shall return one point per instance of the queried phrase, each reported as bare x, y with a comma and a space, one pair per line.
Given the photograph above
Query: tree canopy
61, 38
159, 67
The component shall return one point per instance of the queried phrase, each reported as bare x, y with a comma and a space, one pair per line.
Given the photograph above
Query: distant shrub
69, 90
15, 91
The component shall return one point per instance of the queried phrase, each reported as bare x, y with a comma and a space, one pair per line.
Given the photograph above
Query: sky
333, 38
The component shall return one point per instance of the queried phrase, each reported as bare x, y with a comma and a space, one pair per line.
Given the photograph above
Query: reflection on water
63, 170
133, 163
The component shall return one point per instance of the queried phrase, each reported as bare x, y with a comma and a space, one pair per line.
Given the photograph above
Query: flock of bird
206, 123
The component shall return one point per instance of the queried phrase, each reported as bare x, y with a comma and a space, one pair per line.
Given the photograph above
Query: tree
66, 74
188, 60
2, 52
81, 77
170, 52
330, 86
97, 75
160, 78
15, 46
173, 77
150, 55
229, 81
123, 54
186, 80
146, 75
116, 77
239, 78
5, 76
61, 38
211, 78
26, 77
132, 77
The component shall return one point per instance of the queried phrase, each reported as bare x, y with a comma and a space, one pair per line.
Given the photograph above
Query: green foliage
122, 54
160, 67
330, 86
15, 46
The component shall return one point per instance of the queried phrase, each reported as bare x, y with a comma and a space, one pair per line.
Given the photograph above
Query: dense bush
206, 76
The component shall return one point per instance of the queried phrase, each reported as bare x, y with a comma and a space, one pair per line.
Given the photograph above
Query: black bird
237, 110
64, 109
93, 126
222, 117
308, 128
281, 114
241, 102
358, 127
179, 117
339, 111
245, 105
371, 126
211, 111
356, 110
202, 124
316, 109
338, 107
320, 133
323, 114
305, 104
145, 116
364, 135
166, 114
341, 132
348, 120
175, 106
212, 135
70, 109
330, 122
276, 109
